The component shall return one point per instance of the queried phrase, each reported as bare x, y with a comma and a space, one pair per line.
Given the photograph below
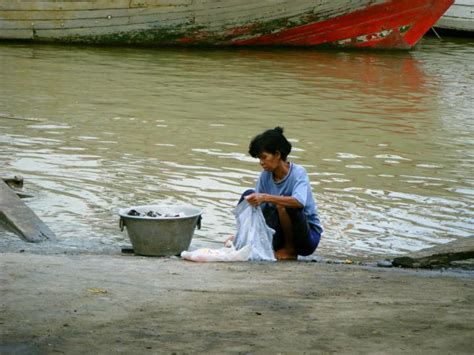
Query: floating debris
97, 291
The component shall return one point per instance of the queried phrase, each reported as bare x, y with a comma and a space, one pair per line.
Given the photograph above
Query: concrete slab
19, 218
111, 304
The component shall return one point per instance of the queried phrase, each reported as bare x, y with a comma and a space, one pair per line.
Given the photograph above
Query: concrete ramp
16, 216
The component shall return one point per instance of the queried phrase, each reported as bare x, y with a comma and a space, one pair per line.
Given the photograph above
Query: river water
387, 138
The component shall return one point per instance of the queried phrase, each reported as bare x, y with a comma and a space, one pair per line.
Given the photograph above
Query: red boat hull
395, 24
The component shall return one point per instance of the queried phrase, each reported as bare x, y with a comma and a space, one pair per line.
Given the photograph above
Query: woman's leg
306, 239
272, 219
287, 252
292, 231
293, 235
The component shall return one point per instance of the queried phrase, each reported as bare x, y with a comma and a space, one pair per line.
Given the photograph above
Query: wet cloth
226, 254
253, 240
253, 231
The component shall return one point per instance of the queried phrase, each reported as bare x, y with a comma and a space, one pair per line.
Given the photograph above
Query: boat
342, 23
17, 217
459, 17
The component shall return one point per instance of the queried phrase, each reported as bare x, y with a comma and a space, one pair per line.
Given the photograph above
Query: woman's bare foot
285, 254
228, 242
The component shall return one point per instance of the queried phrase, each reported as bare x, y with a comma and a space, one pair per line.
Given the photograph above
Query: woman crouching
284, 193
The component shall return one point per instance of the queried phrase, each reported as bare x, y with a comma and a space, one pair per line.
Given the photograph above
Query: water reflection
379, 134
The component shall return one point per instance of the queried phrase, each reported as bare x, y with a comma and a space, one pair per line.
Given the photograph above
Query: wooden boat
345, 23
459, 17
17, 217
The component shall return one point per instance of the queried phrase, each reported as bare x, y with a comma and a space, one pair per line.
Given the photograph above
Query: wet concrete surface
108, 304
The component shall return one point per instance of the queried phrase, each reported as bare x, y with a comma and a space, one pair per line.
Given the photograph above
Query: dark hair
270, 141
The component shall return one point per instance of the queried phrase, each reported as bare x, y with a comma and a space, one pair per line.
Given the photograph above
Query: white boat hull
459, 17
346, 23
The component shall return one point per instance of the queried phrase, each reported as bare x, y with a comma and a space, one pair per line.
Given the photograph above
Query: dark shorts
305, 238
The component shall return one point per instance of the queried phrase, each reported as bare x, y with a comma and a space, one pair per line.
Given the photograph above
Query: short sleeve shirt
295, 184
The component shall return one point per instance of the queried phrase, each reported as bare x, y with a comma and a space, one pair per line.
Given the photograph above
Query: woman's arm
256, 199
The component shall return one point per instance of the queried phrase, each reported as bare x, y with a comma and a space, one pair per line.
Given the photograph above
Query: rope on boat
436, 33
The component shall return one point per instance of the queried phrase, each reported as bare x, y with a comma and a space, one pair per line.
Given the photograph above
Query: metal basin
167, 233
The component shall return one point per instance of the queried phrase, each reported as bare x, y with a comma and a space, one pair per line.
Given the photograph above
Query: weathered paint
356, 23
459, 17
393, 24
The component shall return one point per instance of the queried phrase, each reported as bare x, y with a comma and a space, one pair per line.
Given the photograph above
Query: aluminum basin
163, 235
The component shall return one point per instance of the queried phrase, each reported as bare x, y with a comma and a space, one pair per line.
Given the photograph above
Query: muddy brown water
386, 137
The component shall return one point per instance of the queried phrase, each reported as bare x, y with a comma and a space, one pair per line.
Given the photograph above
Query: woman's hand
256, 199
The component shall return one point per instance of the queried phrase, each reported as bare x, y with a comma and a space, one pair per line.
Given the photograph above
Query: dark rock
439, 256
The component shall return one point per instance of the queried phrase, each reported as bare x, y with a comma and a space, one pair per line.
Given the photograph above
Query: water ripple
386, 138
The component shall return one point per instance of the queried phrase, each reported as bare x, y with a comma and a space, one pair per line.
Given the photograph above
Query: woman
284, 192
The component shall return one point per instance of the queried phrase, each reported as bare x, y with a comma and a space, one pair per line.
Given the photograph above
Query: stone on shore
438, 256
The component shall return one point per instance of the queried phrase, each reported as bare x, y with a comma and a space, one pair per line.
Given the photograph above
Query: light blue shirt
295, 184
